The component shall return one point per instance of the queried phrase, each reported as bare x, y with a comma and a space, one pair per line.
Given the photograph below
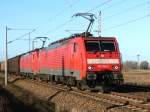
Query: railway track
122, 100
118, 99
132, 98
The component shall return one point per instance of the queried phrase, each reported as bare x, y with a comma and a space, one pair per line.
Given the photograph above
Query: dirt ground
137, 76
46, 99
43, 98
9, 103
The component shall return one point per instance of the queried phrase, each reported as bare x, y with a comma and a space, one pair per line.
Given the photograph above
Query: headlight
115, 67
90, 67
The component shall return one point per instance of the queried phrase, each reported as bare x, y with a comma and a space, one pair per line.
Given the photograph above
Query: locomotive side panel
34, 59
58, 60
77, 58
64, 60
43, 62
25, 64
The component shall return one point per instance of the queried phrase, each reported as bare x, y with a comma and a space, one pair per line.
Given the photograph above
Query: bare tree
144, 65
130, 64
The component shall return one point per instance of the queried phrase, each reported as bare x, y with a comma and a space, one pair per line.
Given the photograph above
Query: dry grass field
137, 76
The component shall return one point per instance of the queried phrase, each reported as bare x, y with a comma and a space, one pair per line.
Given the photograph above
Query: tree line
135, 65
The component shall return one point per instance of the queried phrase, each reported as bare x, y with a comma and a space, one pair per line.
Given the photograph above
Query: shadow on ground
128, 88
9, 103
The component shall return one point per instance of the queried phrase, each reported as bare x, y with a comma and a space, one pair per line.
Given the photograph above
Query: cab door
73, 56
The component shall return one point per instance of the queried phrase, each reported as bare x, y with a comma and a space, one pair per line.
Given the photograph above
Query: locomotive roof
30, 51
80, 35
87, 34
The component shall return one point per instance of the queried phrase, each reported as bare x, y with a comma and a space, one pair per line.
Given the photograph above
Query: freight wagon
14, 65
2, 66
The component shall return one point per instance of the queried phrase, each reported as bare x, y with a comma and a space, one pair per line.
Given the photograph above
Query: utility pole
33, 44
29, 41
99, 24
6, 56
6, 50
138, 61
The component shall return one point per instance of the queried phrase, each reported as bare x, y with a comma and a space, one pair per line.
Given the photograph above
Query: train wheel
71, 81
64, 80
105, 89
52, 79
80, 85
57, 80
39, 79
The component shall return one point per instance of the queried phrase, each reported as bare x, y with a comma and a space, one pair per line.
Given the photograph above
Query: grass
137, 76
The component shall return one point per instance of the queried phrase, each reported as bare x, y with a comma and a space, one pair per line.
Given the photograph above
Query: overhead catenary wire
18, 29
103, 9
63, 10
59, 26
126, 10
148, 7
68, 21
100, 5
132, 20
127, 22
18, 38
121, 12
119, 2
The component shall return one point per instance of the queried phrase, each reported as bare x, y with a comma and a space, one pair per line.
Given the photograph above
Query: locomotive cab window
92, 46
100, 45
107, 45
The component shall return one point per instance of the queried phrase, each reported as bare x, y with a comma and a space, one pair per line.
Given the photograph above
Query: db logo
102, 55
104, 66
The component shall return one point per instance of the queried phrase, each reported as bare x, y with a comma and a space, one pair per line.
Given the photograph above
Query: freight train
81, 60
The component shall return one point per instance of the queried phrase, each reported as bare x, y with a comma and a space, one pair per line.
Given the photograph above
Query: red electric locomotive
83, 61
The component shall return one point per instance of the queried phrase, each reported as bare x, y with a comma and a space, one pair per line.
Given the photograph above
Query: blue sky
48, 16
